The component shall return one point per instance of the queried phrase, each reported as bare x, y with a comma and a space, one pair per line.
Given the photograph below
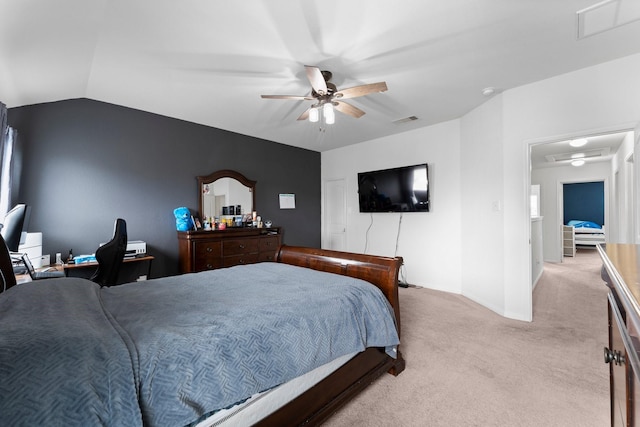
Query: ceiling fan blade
295, 97
356, 91
316, 79
305, 115
348, 109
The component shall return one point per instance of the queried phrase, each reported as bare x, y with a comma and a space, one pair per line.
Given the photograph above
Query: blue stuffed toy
183, 219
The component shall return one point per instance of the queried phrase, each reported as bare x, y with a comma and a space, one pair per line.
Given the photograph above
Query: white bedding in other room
589, 236
585, 230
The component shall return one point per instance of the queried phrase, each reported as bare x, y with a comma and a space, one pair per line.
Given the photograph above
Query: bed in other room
587, 233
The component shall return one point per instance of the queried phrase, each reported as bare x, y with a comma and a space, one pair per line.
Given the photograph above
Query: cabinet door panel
620, 372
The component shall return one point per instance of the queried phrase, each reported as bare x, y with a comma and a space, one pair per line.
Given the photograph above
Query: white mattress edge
260, 405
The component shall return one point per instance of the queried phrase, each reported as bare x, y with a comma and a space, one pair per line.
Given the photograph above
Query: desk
132, 269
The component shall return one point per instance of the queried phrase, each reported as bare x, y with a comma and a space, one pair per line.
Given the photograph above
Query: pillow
583, 224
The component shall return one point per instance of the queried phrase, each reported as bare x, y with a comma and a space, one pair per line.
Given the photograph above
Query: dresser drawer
207, 255
202, 250
269, 244
239, 246
230, 261
267, 256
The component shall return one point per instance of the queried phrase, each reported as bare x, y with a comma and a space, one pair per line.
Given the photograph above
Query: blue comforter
170, 351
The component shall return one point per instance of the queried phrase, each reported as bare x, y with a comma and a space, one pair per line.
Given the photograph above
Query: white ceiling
209, 61
599, 148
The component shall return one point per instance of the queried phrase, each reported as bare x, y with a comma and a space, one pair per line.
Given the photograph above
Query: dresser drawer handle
613, 356
241, 261
241, 246
209, 266
209, 250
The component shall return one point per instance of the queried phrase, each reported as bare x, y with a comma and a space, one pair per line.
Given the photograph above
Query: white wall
490, 263
428, 242
550, 181
620, 229
595, 99
483, 205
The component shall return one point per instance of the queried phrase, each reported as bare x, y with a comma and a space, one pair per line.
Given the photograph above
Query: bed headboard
381, 271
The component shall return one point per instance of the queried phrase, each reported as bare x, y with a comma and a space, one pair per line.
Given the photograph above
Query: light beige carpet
467, 366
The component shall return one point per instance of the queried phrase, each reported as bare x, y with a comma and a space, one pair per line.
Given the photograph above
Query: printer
135, 248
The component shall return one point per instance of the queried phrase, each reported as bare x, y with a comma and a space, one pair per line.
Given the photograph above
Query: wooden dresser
208, 250
621, 272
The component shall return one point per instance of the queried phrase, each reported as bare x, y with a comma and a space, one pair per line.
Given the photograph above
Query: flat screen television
403, 189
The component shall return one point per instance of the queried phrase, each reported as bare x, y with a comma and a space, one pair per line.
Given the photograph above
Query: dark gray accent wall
86, 163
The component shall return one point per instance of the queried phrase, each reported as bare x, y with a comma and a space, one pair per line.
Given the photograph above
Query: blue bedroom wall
584, 201
86, 163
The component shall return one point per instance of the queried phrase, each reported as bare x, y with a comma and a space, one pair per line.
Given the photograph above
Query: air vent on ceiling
606, 15
405, 120
565, 157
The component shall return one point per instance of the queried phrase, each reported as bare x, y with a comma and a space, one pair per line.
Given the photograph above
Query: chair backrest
7, 277
110, 256
13, 225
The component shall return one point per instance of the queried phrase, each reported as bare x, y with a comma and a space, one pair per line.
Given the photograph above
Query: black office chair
7, 278
110, 256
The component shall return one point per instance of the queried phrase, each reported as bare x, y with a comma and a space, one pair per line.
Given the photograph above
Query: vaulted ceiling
208, 62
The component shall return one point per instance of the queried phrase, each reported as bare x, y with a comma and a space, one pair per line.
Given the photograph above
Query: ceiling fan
327, 97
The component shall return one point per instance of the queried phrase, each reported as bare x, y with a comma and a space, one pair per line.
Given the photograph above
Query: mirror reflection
226, 193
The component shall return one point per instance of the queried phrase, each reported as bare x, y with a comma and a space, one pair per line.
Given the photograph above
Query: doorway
552, 165
335, 208
583, 214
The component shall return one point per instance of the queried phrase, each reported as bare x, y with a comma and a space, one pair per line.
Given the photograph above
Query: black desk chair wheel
110, 256
7, 277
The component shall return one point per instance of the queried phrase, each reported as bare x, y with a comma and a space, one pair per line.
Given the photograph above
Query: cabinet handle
241, 246
613, 356
209, 250
241, 261
209, 266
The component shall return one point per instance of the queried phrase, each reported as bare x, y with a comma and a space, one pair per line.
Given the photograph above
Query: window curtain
8, 138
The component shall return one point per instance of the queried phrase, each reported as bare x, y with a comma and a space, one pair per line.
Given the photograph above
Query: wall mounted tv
404, 189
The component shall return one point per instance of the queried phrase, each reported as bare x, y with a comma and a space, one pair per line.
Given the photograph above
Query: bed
180, 350
587, 233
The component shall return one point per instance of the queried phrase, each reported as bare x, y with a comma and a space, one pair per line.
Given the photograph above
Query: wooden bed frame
324, 399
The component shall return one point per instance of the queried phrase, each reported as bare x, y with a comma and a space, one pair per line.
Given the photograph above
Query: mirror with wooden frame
223, 189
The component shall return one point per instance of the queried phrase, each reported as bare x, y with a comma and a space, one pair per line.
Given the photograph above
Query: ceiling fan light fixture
314, 115
326, 94
328, 113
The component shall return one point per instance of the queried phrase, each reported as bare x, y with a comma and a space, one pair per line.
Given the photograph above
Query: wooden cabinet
568, 241
208, 250
621, 274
